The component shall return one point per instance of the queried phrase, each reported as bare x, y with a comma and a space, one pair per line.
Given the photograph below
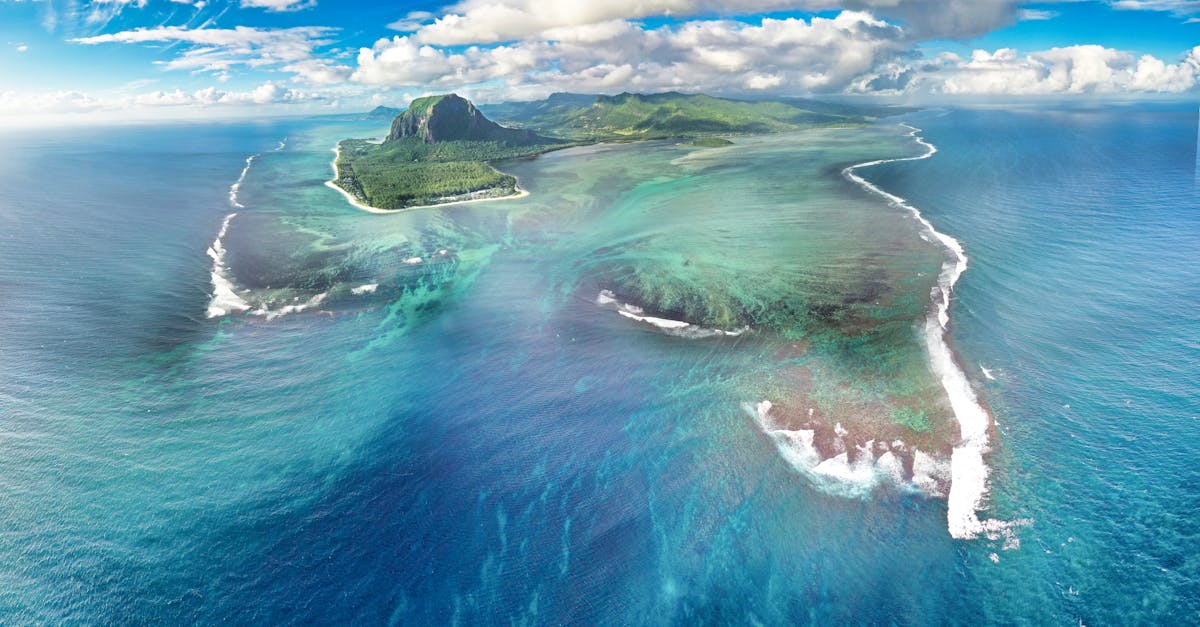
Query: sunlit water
443, 415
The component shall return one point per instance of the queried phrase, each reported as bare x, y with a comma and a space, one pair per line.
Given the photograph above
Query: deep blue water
472, 443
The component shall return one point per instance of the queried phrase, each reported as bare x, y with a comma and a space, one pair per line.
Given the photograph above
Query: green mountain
672, 114
436, 119
382, 113
441, 148
438, 151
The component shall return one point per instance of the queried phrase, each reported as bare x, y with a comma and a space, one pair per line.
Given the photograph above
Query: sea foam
969, 473
677, 328
271, 314
224, 299
237, 185
851, 477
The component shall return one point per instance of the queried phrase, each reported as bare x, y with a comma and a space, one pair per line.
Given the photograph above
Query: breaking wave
855, 473
224, 299
296, 306
237, 185
969, 473
678, 328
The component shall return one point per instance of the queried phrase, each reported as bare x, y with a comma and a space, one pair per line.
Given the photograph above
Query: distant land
672, 115
382, 113
440, 150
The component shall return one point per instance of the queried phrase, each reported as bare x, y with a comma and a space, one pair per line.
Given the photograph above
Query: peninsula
441, 149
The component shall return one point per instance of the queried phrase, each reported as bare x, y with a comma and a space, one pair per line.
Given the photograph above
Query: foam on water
857, 477
224, 299
237, 185
969, 473
369, 288
677, 328
271, 314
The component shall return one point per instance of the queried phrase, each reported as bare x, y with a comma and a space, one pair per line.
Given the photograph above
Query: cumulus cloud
821, 54
492, 21
63, 101
267, 93
19, 105
1071, 70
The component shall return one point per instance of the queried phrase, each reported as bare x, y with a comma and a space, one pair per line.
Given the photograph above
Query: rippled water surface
492, 412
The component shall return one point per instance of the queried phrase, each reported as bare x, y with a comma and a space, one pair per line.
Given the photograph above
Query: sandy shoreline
337, 153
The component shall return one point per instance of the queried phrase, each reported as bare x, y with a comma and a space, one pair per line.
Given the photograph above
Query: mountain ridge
450, 117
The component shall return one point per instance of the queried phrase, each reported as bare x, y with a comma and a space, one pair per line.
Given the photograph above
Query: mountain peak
450, 117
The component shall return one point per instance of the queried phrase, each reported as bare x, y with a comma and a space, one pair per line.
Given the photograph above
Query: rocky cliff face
452, 118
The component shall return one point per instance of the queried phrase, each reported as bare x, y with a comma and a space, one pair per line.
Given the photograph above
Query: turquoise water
482, 436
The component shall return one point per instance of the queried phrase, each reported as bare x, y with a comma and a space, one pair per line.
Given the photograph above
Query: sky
81, 60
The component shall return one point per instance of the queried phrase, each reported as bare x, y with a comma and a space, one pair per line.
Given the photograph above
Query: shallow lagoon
480, 438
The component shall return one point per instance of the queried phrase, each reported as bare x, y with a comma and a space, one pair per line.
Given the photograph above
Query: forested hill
439, 150
672, 114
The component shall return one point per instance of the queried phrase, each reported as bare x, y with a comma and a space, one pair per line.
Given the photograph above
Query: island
381, 113
711, 142
441, 149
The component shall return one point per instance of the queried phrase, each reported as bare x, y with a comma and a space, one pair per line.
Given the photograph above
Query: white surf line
337, 153
237, 185
968, 472
224, 299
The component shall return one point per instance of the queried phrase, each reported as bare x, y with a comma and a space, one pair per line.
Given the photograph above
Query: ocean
671, 385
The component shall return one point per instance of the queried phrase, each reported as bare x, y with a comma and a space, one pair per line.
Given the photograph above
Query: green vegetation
711, 142
382, 113
409, 172
636, 116
440, 149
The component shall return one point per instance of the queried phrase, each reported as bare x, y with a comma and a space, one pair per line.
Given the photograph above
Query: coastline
350, 198
969, 472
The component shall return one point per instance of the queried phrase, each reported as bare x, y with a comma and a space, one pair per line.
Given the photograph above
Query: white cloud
1034, 15
278, 5
491, 21
21, 48
412, 22
241, 35
1178, 7
789, 55
1071, 70
18, 105
267, 93
65, 101
220, 49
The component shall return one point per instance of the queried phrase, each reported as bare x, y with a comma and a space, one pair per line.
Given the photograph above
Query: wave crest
969, 473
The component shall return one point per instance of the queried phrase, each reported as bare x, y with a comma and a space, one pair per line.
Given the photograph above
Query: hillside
639, 116
382, 113
453, 118
440, 148
438, 151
